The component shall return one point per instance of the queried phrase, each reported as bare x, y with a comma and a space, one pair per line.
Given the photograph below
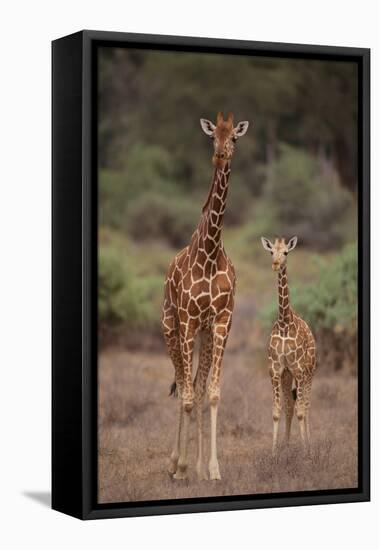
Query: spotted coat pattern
292, 358
199, 300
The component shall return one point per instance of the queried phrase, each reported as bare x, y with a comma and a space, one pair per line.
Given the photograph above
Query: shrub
146, 169
162, 216
306, 200
123, 298
111, 198
332, 302
239, 200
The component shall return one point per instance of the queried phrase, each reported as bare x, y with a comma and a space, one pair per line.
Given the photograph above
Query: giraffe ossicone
199, 300
291, 352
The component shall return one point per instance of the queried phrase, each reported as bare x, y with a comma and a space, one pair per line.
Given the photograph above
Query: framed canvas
211, 242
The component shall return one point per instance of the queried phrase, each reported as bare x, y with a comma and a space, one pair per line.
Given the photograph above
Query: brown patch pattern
292, 354
199, 300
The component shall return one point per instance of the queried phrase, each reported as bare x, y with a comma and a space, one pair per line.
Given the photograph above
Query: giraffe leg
187, 341
276, 374
173, 464
308, 389
289, 403
220, 335
214, 469
171, 335
301, 410
307, 430
205, 362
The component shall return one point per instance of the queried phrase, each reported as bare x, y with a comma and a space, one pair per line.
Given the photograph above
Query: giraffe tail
173, 390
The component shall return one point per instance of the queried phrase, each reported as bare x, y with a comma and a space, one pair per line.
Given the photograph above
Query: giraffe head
224, 135
279, 251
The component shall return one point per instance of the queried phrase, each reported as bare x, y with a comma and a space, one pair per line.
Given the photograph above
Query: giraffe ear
207, 126
241, 129
291, 244
267, 245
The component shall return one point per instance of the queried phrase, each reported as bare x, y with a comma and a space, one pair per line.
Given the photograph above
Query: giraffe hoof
179, 474
173, 464
201, 473
172, 468
214, 472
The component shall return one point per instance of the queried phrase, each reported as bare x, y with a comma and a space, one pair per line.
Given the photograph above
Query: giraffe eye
271, 253
286, 253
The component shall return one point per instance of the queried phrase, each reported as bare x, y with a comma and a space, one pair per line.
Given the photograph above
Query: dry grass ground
137, 422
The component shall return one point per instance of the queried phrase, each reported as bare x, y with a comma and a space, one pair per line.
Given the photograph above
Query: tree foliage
123, 298
303, 118
295, 172
153, 97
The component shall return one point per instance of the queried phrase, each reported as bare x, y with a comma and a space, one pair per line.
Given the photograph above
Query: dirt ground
137, 423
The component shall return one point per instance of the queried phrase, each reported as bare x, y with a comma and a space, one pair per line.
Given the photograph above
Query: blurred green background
294, 173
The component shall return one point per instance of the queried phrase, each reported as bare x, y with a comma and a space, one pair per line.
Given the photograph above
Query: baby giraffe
291, 351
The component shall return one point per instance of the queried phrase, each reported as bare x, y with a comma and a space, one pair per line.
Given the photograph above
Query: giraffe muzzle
220, 155
220, 160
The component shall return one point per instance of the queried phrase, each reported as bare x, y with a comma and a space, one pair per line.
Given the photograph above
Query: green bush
112, 198
123, 298
142, 200
239, 202
148, 167
145, 169
332, 302
307, 201
160, 216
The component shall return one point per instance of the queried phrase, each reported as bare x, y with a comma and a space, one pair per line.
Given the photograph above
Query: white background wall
26, 31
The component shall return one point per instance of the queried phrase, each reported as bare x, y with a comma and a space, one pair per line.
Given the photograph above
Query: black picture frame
74, 274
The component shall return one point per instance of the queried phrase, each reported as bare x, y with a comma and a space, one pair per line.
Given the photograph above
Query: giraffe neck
210, 225
285, 313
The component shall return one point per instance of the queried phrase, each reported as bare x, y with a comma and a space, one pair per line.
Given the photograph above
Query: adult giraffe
199, 299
